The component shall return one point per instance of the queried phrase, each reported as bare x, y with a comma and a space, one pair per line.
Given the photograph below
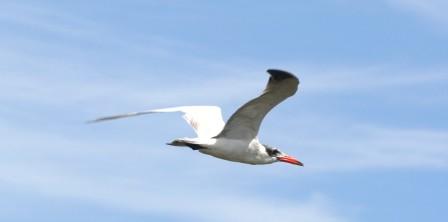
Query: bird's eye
272, 151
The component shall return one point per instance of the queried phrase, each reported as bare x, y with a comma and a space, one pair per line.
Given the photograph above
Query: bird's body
243, 151
236, 140
237, 150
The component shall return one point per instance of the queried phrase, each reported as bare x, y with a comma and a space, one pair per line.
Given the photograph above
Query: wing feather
245, 122
205, 120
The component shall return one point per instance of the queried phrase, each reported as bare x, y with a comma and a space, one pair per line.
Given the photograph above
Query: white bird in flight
237, 139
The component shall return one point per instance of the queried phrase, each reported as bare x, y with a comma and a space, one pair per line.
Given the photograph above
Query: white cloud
36, 72
52, 161
29, 75
434, 10
161, 198
356, 146
91, 95
153, 90
88, 94
368, 78
114, 175
40, 17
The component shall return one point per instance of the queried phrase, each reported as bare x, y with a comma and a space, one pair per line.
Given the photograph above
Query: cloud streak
367, 79
357, 146
71, 169
434, 10
60, 69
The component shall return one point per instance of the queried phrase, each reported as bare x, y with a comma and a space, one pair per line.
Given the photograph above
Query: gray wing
245, 122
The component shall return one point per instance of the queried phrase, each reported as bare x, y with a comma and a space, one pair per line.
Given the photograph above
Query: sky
369, 121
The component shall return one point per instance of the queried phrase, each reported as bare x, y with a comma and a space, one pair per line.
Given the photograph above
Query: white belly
237, 150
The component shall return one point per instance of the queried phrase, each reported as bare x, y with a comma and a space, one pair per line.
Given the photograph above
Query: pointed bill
289, 159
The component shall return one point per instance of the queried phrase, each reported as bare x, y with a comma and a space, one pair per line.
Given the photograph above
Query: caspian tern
237, 139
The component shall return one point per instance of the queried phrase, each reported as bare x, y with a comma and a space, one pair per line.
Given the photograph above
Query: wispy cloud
84, 93
371, 147
60, 69
368, 78
62, 167
33, 75
35, 72
41, 18
434, 10
156, 89
358, 146
45, 19
179, 199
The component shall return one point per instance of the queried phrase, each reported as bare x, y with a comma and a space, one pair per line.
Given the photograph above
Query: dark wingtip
279, 74
101, 119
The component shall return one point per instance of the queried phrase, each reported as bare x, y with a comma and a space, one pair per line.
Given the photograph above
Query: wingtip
102, 119
92, 121
279, 74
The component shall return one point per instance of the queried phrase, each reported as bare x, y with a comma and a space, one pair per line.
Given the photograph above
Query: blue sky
369, 120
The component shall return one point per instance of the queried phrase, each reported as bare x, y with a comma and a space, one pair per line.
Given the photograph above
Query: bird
237, 139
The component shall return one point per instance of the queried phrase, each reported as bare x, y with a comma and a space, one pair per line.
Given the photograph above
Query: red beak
289, 159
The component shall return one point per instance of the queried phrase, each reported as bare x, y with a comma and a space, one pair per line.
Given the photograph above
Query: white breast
243, 151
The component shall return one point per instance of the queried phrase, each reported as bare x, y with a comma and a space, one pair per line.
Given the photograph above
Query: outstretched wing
206, 120
245, 122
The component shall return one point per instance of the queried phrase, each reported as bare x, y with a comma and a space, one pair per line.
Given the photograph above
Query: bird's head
278, 155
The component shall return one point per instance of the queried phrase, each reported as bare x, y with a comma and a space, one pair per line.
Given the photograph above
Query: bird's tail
186, 142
